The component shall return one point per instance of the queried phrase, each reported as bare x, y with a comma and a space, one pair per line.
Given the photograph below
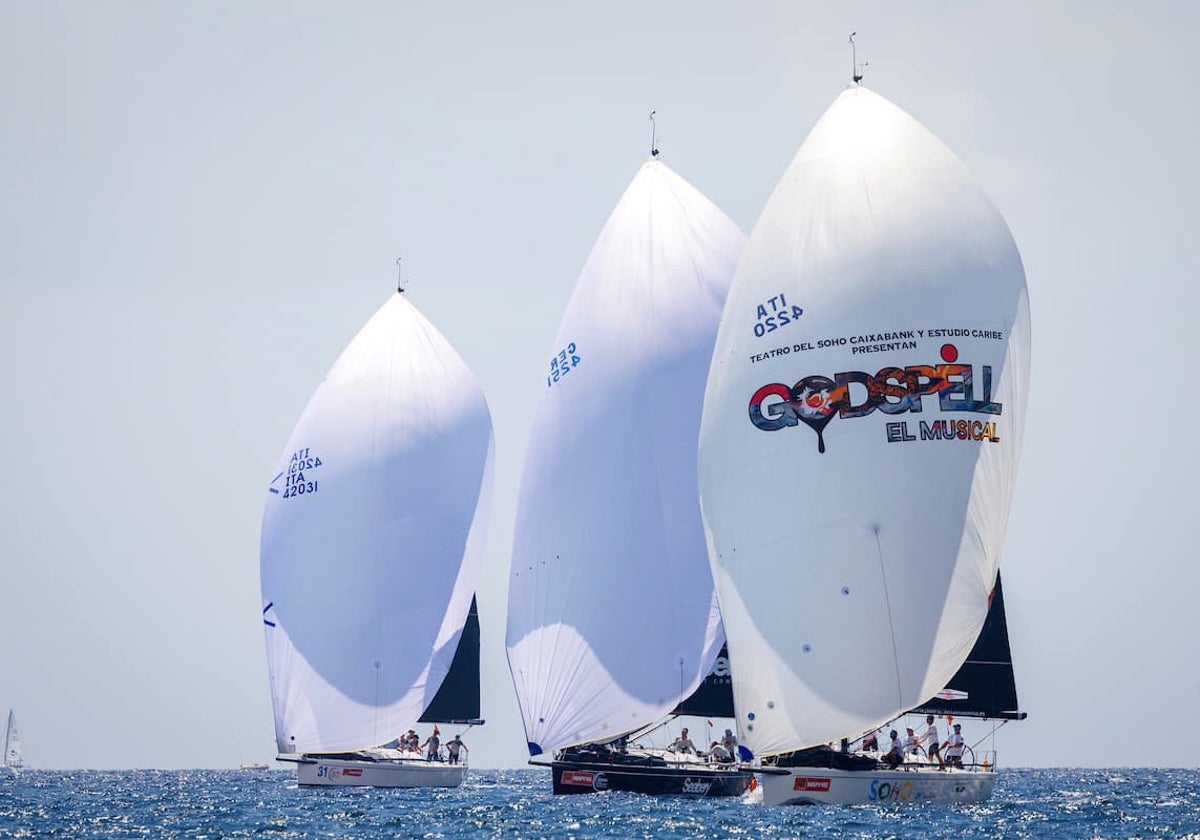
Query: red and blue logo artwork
815, 400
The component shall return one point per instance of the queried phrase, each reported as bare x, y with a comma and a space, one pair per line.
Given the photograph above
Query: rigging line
653, 136
375, 722
399, 274
887, 601
681, 697
992, 735
653, 727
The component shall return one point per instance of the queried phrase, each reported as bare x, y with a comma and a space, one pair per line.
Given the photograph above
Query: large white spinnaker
372, 536
861, 429
612, 616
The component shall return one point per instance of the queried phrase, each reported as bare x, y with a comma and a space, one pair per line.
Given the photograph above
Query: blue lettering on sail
774, 313
561, 364
298, 479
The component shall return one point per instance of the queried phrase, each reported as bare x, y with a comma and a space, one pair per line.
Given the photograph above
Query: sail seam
887, 601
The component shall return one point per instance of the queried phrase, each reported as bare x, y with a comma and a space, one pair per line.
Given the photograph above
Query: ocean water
1056, 803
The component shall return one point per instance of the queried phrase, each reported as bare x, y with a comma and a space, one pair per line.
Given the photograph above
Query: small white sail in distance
612, 616
861, 429
14, 758
372, 536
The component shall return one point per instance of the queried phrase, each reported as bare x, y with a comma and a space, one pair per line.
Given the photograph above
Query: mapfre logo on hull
585, 778
808, 783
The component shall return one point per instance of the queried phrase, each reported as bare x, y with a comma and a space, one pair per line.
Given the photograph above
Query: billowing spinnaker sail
612, 616
861, 429
372, 536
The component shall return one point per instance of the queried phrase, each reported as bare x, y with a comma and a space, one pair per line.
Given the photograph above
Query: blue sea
1058, 803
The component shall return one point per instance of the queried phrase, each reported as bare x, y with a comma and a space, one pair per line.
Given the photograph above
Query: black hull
592, 776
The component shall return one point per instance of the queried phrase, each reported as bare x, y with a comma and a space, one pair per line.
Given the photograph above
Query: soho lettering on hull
815, 400
890, 792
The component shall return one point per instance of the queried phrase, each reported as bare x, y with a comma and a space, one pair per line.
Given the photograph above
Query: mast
855, 68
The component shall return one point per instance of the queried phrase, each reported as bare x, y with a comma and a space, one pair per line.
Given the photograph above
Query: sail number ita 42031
299, 479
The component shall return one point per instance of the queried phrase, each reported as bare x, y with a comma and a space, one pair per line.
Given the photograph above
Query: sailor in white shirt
934, 746
954, 747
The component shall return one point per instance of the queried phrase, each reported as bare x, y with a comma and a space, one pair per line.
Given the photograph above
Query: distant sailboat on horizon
14, 757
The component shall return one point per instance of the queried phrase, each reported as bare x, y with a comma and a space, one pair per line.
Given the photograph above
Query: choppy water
518, 803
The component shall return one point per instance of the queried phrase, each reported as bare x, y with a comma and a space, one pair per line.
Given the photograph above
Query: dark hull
590, 776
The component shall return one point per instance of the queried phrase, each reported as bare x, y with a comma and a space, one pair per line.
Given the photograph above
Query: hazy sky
201, 203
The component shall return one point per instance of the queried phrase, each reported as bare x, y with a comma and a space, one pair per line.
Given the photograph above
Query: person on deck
910, 742
729, 742
870, 742
434, 743
717, 754
894, 757
954, 746
683, 743
453, 746
934, 747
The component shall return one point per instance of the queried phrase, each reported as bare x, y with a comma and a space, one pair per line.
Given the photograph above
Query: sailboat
372, 544
612, 618
14, 759
858, 448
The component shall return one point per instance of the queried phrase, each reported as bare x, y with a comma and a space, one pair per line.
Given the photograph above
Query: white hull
394, 773
905, 786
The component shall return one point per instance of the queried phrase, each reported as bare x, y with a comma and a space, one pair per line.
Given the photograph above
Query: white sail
861, 429
372, 536
13, 757
612, 615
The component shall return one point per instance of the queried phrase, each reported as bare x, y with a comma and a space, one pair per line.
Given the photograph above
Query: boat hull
689, 780
906, 786
395, 773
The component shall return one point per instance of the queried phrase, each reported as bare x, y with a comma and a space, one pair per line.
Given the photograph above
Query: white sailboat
612, 616
14, 758
859, 446
372, 543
